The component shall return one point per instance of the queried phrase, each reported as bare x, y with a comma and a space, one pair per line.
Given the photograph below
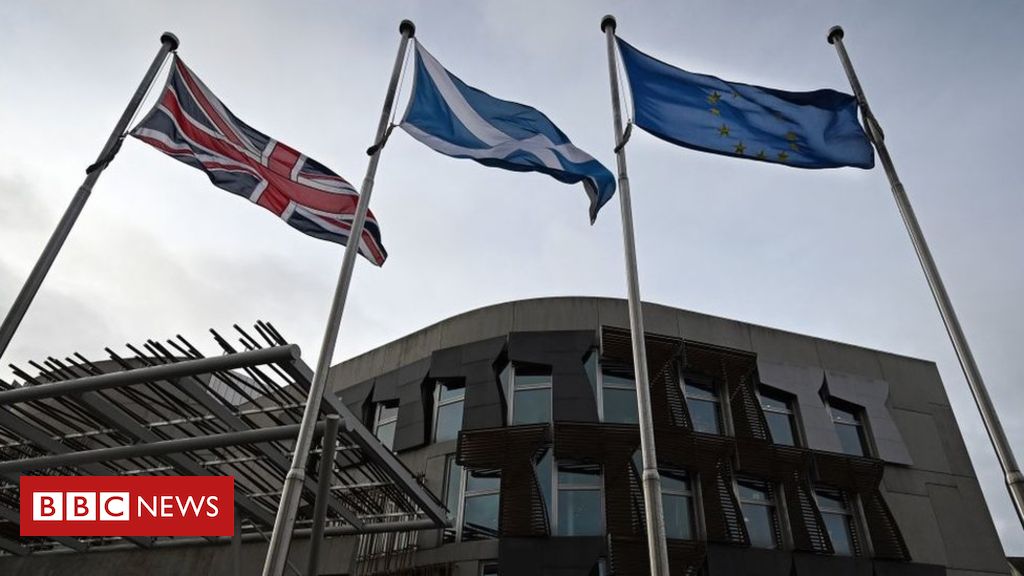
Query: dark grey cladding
476, 364
414, 403
733, 560
816, 565
564, 352
565, 556
357, 399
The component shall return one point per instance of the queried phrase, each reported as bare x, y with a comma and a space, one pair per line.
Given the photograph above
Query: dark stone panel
414, 406
814, 565
385, 387
907, 569
475, 364
564, 351
575, 556
734, 561
356, 399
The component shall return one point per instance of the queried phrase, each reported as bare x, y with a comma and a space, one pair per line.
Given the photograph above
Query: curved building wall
912, 501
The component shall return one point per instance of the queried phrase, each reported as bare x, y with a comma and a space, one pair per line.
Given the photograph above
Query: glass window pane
618, 381
774, 402
678, 516
489, 569
781, 428
838, 526
847, 416
386, 434
704, 416
387, 413
477, 481
760, 520
753, 490
673, 481
620, 406
450, 391
480, 517
579, 475
850, 439
699, 390
830, 501
532, 406
449, 421
579, 513
532, 380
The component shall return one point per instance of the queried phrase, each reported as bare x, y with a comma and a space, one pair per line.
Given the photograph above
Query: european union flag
803, 129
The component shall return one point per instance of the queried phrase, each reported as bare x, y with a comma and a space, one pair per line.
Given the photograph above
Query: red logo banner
127, 505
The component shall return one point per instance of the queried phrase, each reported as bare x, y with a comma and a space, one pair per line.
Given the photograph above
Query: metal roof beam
277, 354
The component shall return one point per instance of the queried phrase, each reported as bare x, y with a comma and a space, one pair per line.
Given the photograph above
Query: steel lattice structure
166, 409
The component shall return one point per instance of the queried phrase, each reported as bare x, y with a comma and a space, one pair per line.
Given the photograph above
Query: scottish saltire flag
189, 123
460, 121
803, 129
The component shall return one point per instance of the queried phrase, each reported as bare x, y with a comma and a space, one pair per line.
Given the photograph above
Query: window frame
557, 488
774, 497
861, 425
859, 542
456, 515
377, 423
600, 394
792, 412
721, 401
438, 403
464, 494
696, 519
513, 371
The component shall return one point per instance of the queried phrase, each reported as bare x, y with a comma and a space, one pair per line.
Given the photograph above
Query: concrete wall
930, 485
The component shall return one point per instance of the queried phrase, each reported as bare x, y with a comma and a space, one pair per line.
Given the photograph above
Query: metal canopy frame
166, 410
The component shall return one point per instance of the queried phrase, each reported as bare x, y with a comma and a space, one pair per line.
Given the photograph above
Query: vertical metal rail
168, 43
323, 492
280, 540
656, 543
1012, 474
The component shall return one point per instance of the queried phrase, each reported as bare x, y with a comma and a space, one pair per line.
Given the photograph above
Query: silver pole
280, 540
656, 544
1014, 478
168, 43
323, 493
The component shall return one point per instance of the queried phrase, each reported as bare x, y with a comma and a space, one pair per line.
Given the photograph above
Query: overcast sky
159, 251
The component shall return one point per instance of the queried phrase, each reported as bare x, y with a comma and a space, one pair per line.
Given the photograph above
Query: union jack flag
191, 124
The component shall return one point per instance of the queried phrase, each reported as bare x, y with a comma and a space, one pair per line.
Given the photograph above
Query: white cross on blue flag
460, 121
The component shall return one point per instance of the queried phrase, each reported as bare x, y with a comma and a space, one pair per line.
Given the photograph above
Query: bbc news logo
127, 505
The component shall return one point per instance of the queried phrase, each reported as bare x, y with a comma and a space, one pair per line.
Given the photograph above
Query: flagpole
1014, 478
168, 43
280, 540
656, 543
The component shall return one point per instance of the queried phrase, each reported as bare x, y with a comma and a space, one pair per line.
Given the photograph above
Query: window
677, 503
757, 501
703, 403
850, 428
835, 511
778, 412
579, 500
481, 505
448, 402
384, 424
452, 492
531, 396
572, 494
619, 398
488, 569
